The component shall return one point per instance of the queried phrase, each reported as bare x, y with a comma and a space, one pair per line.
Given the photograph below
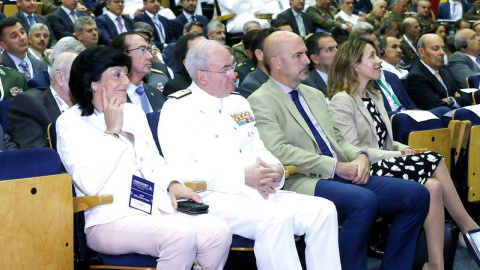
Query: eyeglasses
188, 1
227, 71
141, 50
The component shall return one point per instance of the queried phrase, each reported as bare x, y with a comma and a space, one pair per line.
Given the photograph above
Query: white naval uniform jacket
213, 139
102, 164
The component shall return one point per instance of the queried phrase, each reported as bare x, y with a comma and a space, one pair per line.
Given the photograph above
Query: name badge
141, 194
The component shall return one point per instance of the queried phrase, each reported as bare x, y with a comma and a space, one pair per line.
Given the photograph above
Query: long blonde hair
341, 74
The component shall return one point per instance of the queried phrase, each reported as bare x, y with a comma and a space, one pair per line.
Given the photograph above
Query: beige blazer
287, 135
356, 125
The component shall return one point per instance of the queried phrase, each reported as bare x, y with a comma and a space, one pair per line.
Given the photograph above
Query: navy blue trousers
358, 207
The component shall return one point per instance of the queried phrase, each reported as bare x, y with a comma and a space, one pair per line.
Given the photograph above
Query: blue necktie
321, 143
143, 98
31, 21
26, 69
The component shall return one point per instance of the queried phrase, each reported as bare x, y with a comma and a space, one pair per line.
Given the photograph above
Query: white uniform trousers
175, 239
272, 224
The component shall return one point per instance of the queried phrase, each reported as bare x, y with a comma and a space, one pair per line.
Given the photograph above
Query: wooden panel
474, 165
39, 7
9, 10
36, 223
437, 140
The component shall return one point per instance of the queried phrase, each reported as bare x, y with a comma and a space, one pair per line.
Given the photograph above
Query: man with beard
144, 95
38, 38
86, 31
187, 15
297, 126
13, 40
429, 83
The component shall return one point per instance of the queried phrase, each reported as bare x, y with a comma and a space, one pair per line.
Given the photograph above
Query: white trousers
175, 239
273, 222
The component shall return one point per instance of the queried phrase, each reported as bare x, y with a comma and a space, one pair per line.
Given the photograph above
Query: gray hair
459, 39
78, 26
36, 27
198, 57
396, 2
247, 25
142, 27
66, 44
211, 26
421, 41
62, 63
362, 25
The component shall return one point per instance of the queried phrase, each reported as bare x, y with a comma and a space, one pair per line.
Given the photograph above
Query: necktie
478, 61
74, 17
193, 18
439, 78
301, 26
26, 69
321, 143
120, 24
143, 98
159, 26
31, 21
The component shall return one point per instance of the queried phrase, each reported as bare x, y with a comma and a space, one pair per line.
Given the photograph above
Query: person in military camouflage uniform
376, 15
322, 15
423, 16
239, 49
249, 64
397, 14
408, 41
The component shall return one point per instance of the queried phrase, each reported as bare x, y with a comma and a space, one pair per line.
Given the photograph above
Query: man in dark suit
6, 143
113, 23
464, 62
161, 28
62, 19
187, 15
444, 10
30, 113
13, 40
145, 96
260, 75
27, 17
298, 19
429, 84
297, 126
321, 51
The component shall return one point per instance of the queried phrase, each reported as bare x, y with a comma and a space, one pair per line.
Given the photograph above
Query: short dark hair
312, 44
88, 67
458, 23
280, 22
119, 42
181, 48
258, 41
248, 38
386, 24
192, 23
7, 22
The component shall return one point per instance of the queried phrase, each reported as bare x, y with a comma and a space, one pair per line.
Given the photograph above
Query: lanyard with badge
141, 191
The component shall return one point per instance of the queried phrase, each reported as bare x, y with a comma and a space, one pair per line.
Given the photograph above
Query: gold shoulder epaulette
157, 71
180, 93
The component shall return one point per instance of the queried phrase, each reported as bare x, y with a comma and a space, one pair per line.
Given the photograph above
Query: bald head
379, 8
431, 50
411, 28
286, 57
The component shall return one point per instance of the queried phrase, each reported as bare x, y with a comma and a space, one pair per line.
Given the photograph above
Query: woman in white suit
107, 147
362, 119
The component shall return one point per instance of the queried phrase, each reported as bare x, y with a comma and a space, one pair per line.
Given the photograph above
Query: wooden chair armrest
197, 186
222, 18
87, 202
290, 170
420, 150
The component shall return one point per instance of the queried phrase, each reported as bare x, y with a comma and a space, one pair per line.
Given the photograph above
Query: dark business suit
177, 24
5, 141
38, 19
169, 59
289, 16
38, 65
41, 81
443, 11
287, 135
362, 6
108, 28
155, 97
156, 36
13, 82
158, 76
462, 66
61, 23
180, 82
314, 80
29, 115
427, 92
252, 82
